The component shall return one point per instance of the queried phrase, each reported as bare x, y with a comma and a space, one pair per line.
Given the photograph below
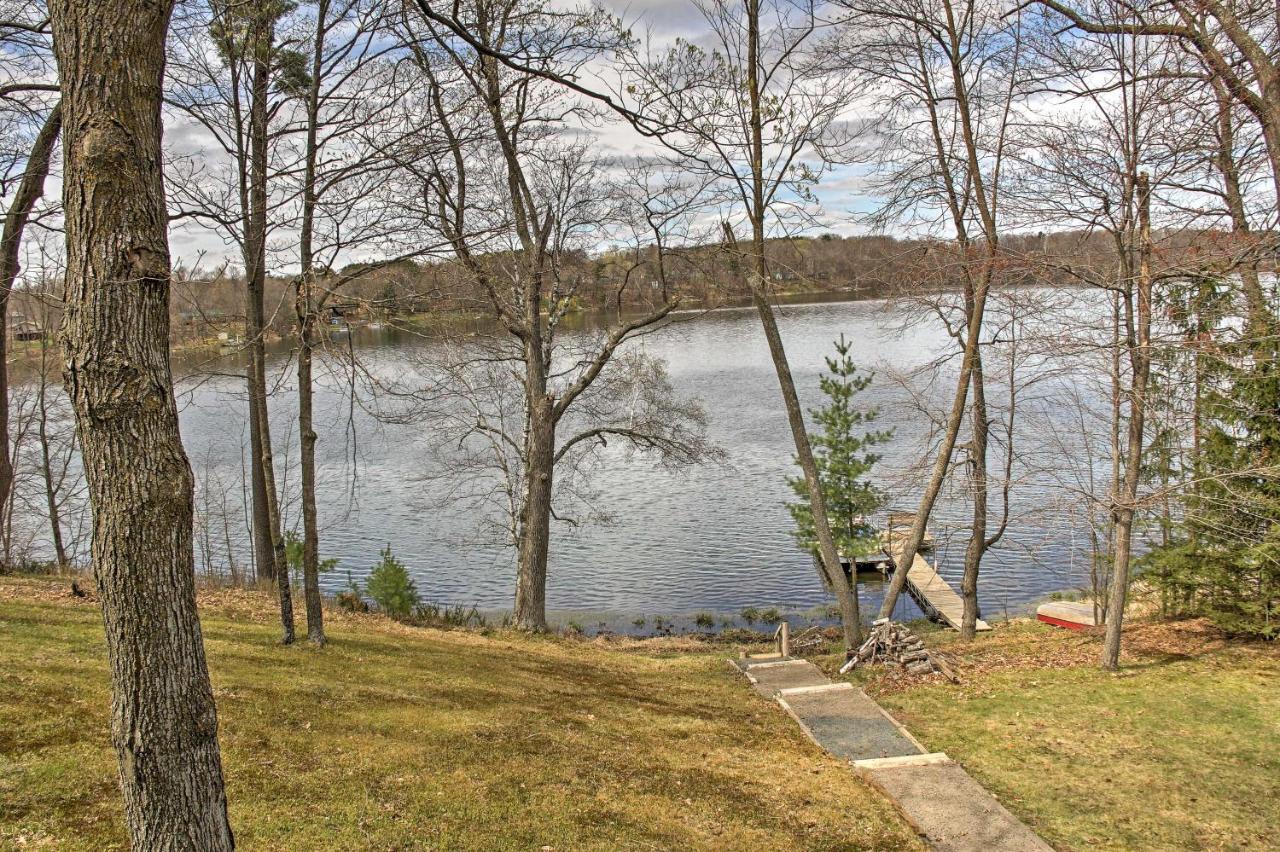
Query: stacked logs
892, 643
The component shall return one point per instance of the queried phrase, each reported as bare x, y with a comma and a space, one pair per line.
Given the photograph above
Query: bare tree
760, 114
1236, 42
946, 75
512, 198
115, 335
350, 102
1099, 167
231, 75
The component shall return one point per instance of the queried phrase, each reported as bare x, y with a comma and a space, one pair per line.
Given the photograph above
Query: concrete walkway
950, 810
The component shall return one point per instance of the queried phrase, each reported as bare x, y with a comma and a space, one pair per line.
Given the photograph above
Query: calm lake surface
714, 538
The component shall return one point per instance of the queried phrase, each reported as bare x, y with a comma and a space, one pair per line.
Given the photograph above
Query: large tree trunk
845, 588
1125, 502
266, 510
535, 515
116, 336
30, 188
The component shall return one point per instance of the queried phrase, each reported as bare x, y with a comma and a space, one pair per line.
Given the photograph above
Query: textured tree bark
1125, 503
535, 515
110, 56
29, 191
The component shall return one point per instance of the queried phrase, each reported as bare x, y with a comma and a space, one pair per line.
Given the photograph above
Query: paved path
950, 810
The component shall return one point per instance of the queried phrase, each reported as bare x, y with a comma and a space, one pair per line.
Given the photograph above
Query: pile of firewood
893, 644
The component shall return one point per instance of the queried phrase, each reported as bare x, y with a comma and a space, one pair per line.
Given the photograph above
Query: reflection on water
714, 538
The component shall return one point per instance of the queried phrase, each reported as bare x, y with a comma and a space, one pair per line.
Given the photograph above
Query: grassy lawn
395, 737
1181, 750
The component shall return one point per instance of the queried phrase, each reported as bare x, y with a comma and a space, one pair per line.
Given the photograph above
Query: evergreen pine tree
841, 450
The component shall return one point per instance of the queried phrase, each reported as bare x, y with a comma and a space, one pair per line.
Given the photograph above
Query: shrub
391, 588
705, 620
751, 615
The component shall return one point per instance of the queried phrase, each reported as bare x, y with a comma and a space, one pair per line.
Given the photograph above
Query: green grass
1179, 751
396, 737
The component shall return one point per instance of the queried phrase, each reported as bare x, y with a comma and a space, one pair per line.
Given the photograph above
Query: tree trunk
535, 514
977, 546
1257, 312
1126, 501
46, 458
110, 57
307, 440
829, 558
943, 460
266, 514
29, 191
305, 307
264, 561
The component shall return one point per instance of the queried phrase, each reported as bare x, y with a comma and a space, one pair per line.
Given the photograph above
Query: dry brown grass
395, 737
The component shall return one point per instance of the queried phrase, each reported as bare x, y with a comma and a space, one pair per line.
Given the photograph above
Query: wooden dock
933, 594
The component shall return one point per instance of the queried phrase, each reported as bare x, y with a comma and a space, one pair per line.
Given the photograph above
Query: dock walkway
934, 594
950, 810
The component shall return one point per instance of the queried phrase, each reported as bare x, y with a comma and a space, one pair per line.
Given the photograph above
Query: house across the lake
21, 328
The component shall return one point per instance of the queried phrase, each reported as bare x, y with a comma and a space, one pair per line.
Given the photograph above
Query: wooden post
784, 639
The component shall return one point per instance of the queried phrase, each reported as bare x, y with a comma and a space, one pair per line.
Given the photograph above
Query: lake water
714, 538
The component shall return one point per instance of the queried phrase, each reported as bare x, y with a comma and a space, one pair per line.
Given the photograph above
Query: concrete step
953, 812
767, 678
843, 720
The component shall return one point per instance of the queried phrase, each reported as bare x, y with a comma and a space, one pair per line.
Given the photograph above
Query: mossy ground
394, 737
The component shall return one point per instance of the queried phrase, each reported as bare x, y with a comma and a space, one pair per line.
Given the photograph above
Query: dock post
784, 639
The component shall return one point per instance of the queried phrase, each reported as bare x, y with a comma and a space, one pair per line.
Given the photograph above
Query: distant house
21, 328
